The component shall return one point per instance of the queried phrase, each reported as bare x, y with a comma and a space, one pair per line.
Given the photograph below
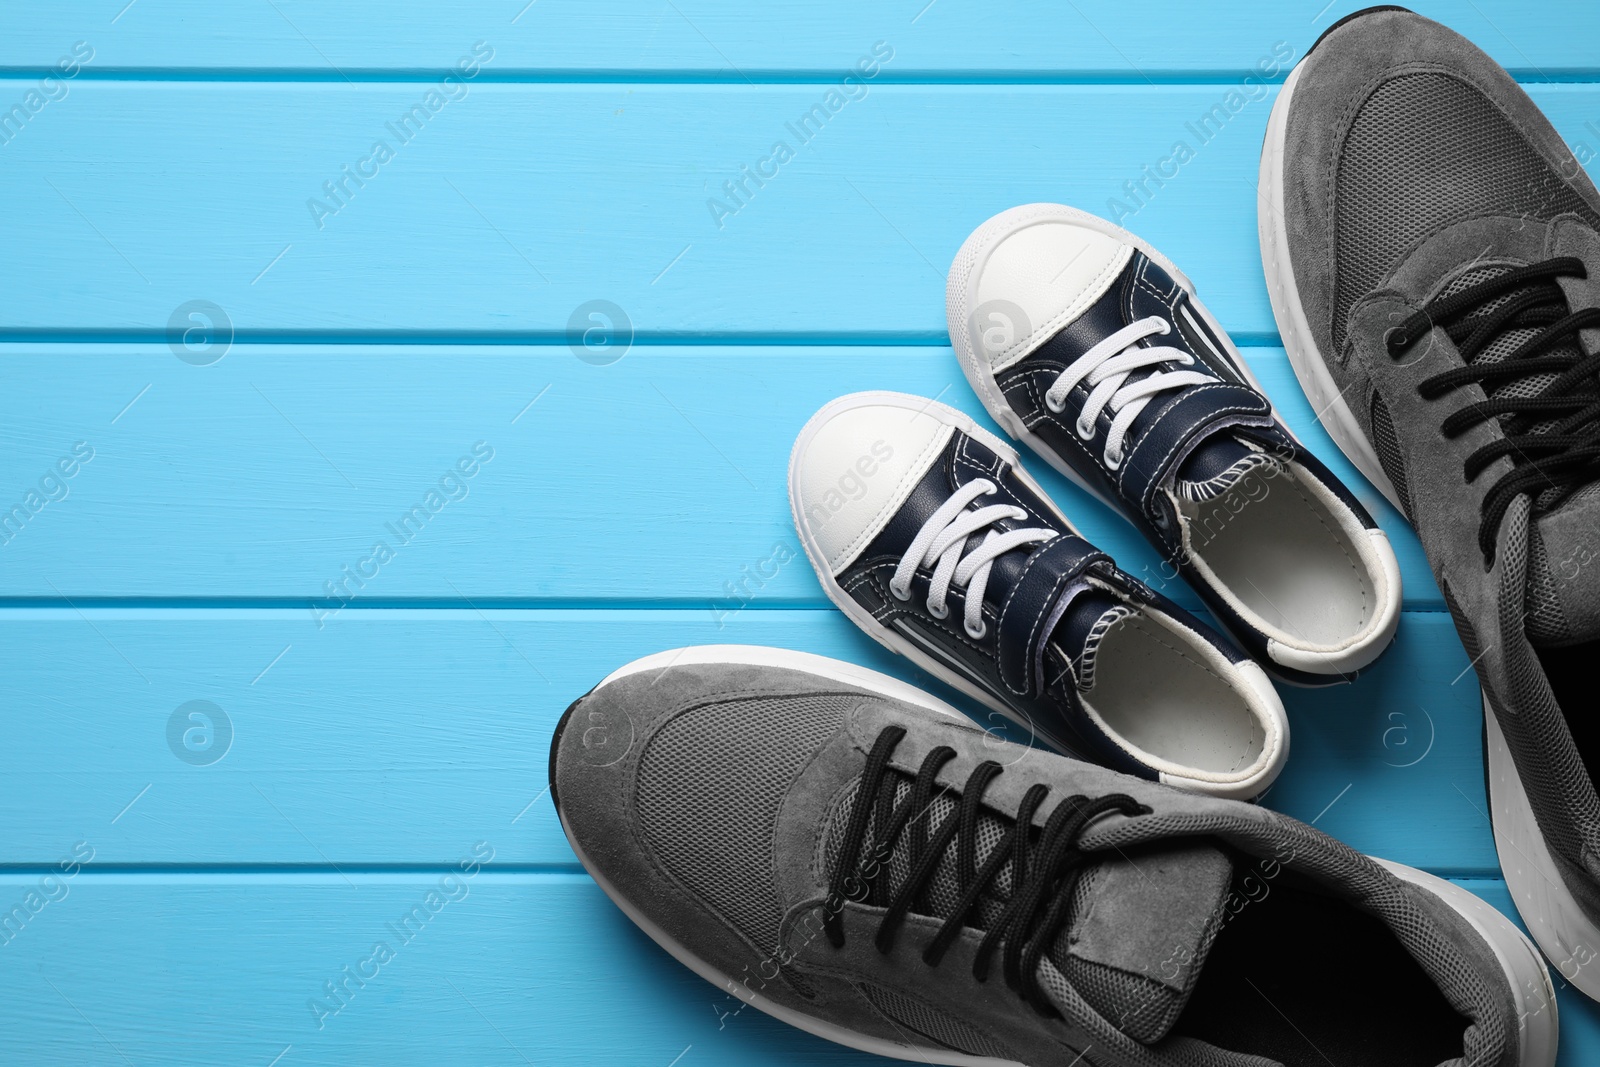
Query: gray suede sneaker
1432, 251
842, 851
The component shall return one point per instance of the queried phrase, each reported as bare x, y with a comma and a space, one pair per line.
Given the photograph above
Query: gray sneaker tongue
1563, 584
1215, 466
1139, 922
1563, 588
1142, 925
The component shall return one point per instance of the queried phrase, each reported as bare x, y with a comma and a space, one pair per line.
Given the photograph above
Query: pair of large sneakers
855, 857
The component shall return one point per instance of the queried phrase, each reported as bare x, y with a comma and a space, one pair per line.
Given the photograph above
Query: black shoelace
1558, 457
1042, 875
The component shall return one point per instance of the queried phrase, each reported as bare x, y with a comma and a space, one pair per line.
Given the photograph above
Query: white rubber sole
1569, 939
1309, 366
891, 639
757, 655
1531, 991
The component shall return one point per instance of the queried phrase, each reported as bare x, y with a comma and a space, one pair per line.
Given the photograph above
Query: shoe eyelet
941, 612
899, 594
1085, 430
977, 634
1113, 460
1166, 327
1055, 407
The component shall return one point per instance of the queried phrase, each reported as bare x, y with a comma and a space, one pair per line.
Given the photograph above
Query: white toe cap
1025, 274
855, 463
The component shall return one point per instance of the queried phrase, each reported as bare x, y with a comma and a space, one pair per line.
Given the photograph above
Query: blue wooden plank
366, 755
510, 969
516, 206
389, 736
659, 477
718, 38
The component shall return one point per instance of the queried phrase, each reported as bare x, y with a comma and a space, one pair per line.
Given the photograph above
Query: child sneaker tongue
1216, 466
1085, 623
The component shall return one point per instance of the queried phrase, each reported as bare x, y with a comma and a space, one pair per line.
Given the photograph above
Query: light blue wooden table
280, 273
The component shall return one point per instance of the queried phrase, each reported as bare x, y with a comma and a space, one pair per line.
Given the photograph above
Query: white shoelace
941, 539
1106, 367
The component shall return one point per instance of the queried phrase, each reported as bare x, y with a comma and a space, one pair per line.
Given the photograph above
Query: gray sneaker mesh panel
915, 1018
1425, 151
1464, 628
944, 889
1508, 341
709, 788
1390, 457
1154, 1010
1586, 494
1547, 622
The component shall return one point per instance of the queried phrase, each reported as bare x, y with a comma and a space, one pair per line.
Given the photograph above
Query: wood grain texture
516, 205
720, 39
367, 341
660, 477
511, 969
389, 736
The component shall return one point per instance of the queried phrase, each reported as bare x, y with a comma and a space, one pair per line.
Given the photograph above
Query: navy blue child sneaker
924, 529
1088, 345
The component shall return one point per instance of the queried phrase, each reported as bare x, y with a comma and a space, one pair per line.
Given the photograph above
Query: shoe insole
1159, 696
1285, 558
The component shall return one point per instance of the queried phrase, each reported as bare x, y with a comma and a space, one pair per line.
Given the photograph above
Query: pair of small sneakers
1088, 345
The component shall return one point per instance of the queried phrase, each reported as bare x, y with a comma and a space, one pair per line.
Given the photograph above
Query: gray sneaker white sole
1538, 1027
1569, 938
